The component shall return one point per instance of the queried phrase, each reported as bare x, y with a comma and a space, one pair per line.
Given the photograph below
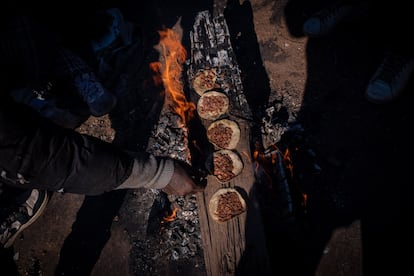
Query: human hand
181, 183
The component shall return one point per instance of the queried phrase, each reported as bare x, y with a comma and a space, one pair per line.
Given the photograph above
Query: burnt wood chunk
169, 137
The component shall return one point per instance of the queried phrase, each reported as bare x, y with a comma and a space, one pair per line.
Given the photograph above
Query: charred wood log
211, 48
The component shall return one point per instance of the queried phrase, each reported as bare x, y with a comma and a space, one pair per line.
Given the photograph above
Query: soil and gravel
349, 157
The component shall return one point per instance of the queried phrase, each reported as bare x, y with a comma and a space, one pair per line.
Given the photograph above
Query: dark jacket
36, 153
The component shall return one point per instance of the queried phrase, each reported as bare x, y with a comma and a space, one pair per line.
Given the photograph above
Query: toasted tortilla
224, 134
234, 207
227, 164
205, 80
212, 105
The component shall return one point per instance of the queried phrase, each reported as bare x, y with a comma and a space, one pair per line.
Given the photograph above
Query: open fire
173, 55
170, 136
275, 170
170, 217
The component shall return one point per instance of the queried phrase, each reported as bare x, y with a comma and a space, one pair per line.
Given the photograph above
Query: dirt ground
348, 156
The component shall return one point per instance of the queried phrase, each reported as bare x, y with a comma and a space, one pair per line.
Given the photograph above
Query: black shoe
86, 83
390, 79
100, 101
48, 108
20, 216
324, 22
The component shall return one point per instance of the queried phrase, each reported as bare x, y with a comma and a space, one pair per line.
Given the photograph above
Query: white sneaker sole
42, 207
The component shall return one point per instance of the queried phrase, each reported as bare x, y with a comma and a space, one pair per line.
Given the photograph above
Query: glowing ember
272, 165
288, 162
304, 200
174, 55
171, 216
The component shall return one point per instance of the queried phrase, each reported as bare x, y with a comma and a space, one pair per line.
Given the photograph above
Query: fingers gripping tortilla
227, 165
212, 105
204, 80
225, 204
224, 133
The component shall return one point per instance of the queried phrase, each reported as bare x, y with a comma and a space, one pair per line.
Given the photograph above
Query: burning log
170, 136
174, 218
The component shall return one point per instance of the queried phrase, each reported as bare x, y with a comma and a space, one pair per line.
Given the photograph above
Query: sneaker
100, 101
23, 215
324, 22
48, 108
86, 84
390, 79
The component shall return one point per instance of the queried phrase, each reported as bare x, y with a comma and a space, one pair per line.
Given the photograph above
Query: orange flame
266, 161
156, 68
171, 216
261, 160
288, 161
304, 200
174, 55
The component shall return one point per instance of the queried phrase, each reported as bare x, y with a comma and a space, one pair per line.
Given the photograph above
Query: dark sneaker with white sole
390, 79
85, 82
324, 22
18, 217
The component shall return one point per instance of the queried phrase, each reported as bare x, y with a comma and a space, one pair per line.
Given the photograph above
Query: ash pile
163, 243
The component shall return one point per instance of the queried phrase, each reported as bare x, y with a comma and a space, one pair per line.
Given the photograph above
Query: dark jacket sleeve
35, 153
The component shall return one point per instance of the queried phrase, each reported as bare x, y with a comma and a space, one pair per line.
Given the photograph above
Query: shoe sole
30, 221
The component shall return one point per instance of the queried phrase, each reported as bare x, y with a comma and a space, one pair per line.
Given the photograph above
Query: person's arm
161, 173
35, 153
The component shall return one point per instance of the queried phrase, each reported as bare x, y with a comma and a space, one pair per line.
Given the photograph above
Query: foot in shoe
85, 82
22, 216
325, 21
390, 79
100, 101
